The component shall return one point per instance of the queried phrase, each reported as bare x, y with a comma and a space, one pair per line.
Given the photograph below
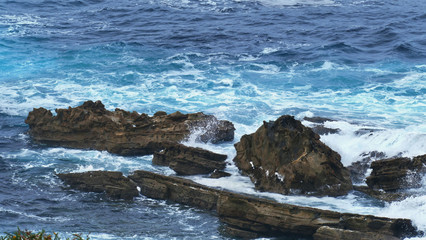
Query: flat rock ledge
186, 160
286, 157
91, 126
246, 216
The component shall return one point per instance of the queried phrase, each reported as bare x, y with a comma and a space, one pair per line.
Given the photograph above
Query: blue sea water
361, 62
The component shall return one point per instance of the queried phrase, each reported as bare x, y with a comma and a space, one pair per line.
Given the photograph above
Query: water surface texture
362, 63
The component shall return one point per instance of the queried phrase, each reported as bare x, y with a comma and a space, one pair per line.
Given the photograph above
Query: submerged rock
91, 126
397, 173
286, 157
186, 160
114, 184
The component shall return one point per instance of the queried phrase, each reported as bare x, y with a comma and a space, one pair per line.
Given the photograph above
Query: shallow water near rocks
362, 63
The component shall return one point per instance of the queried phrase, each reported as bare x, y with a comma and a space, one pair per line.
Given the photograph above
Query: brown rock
219, 174
186, 160
397, 173
175, 189
91, 126
114, 184
329, 233
286, 157
250, 217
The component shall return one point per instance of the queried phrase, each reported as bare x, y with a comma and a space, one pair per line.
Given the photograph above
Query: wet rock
319, 127
286, 157
114, 184
250, 217
382, 195
91, 126
318, 119
321, 130
359, 168
175, 189
396, 174
329, 233
186, 160
219, 174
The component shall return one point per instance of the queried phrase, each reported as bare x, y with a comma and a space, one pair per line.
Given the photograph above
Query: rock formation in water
186, 160
251, 217
390, 178
286, 157
91, 126
114, 184
397, 173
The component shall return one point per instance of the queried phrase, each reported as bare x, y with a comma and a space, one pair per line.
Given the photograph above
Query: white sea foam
393, 142
32, 216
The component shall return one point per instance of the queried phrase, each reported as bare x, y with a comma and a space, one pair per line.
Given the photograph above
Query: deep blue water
360, 62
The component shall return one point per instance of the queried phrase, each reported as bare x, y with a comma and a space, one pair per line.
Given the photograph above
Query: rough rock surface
359, 168
91, 126
186, 160
286, 157
114, 184
397, 173
251, 217
329, 233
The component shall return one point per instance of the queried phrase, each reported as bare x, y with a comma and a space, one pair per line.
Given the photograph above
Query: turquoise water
362, 63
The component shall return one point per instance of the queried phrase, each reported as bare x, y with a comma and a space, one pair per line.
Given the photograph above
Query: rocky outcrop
251, 217
396, 174
286, 157
186, 160
359, 168
91, 126
114, 184
329, 233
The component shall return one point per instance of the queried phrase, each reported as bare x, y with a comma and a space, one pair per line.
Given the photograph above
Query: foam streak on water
360, 63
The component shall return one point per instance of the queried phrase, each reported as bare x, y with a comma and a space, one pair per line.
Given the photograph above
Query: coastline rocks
186, 160
91, 126
329, 233
114, 184
396, 174
359, 168
286, 157
251, 217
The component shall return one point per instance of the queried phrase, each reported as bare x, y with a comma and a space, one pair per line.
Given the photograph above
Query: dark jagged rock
329, 233
244, 216
91, 126
359, 168
114, 184
219, 174
286, 157
186, 160
397, 173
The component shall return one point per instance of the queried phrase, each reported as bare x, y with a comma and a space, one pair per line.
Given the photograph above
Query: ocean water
362, 63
